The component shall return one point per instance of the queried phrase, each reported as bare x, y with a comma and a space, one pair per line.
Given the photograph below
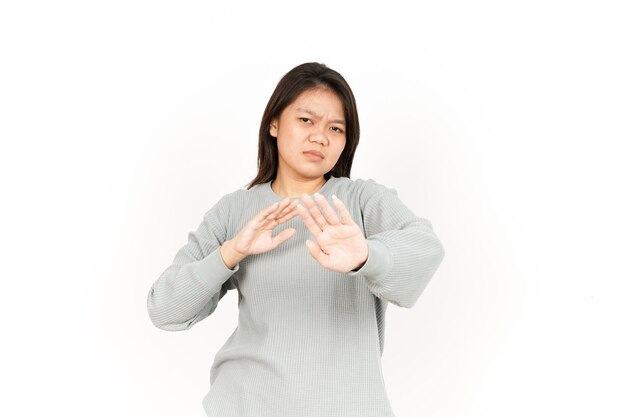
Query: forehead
320, 100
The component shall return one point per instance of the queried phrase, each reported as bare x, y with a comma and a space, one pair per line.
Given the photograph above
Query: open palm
256, 236
340, 245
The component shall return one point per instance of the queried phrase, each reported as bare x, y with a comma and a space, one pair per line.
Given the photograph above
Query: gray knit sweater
309, 340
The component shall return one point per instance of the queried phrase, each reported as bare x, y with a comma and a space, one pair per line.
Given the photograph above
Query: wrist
229, 255
363, 260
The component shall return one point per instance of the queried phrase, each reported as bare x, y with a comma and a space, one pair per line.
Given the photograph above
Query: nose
319, 136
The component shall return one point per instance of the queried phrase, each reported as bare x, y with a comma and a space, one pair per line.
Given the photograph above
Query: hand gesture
256, 236
340, 244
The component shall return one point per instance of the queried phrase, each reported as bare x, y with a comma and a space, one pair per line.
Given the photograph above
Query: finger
308, 221
264, 217
343, 211
272, 223
287, 209
317, 253
280, 208
260, 217
287, 216
327, 210
314, 249
282, 236
315, 211
267, 213
283, 209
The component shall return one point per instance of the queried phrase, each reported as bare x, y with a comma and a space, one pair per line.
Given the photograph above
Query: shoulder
236, 197
225, 204
235, 201
363, 189
225, 213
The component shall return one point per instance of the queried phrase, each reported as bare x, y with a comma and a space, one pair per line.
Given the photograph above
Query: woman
314, 275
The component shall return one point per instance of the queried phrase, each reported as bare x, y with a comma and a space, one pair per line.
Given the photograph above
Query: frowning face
310, 134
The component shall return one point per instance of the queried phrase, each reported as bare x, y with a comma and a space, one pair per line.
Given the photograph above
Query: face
310, 134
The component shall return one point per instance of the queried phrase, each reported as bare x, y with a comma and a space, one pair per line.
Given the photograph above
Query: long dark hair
301, 78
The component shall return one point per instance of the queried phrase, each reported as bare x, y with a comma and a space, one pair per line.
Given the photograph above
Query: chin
312, 175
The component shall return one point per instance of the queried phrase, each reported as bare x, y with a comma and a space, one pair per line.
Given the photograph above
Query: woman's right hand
256, 236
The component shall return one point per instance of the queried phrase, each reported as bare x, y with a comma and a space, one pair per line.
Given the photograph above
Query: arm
190, 289
403, 250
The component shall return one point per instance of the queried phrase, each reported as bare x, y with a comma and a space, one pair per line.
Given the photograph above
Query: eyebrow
304, 109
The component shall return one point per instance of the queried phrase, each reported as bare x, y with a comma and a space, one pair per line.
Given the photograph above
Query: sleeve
404, 251
189, 289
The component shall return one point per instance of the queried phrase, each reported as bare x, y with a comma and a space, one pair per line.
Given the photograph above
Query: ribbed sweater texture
309, 340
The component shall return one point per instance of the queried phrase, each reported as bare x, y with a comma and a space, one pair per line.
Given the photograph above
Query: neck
294, 188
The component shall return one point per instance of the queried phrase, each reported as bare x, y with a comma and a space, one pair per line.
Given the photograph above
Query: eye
338, 130
305, 119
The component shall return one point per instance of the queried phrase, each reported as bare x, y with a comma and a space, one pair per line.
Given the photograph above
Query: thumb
313, 248
282, 236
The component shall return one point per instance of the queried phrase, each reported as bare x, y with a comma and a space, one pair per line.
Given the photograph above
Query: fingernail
334, 196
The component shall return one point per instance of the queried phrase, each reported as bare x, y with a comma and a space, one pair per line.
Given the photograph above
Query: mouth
314, 153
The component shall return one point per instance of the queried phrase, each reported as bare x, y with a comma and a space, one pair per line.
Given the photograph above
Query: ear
274, 128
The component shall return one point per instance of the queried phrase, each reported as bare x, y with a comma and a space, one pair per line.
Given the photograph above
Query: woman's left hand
340, 244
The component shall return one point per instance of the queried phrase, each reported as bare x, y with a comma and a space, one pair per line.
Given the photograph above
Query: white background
122, 122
